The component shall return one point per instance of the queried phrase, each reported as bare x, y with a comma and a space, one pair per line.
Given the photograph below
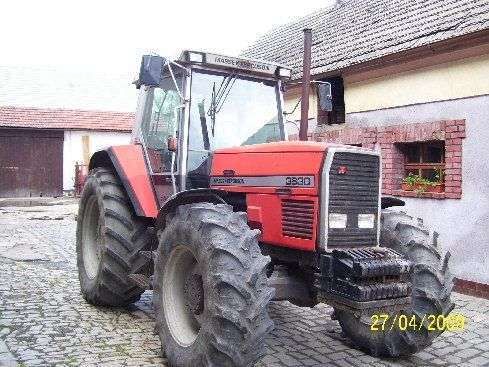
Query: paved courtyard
44, 320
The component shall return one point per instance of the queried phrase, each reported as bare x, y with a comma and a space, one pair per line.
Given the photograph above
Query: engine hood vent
297, 218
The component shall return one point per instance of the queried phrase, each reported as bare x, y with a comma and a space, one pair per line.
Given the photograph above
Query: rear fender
129, 164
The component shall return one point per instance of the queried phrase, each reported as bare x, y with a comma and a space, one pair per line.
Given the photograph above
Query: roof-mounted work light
284, 72
195, 56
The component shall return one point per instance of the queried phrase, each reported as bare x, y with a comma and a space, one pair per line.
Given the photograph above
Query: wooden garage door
31, 163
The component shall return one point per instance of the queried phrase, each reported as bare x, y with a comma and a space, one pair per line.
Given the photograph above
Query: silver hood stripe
263, 181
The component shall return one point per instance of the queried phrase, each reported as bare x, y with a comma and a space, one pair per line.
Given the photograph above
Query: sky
111, 36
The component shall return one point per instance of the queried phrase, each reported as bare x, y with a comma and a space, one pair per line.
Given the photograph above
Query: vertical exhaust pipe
306, 82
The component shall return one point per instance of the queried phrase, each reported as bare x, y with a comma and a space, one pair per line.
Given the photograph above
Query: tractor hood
278, 147
266, 168
287, 184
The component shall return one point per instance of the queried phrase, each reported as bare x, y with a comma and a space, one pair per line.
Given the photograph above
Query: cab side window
159, 123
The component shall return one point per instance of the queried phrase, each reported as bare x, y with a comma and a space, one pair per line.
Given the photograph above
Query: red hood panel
267, 164
279, 147
243, 163
265, 173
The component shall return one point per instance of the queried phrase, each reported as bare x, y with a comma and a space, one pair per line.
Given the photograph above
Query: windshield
229, 110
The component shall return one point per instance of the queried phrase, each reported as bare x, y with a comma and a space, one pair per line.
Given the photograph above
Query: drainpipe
306, 82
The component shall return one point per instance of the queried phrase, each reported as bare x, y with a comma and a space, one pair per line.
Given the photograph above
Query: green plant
412, 180
439, 176
419, 183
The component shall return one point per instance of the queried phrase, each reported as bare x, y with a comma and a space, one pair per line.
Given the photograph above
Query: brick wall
387, 138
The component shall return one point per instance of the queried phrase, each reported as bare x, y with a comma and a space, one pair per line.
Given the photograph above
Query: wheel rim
91, 237
182, 296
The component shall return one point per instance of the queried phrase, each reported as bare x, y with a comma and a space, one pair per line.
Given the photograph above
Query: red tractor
215, 210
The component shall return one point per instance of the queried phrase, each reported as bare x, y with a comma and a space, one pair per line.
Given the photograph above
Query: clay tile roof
356, 31
44, 118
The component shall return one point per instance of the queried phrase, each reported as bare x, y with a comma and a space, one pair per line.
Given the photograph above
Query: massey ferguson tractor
213, 208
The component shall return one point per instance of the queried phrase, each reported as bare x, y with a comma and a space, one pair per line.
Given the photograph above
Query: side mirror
150, 71
172, 144
325, 97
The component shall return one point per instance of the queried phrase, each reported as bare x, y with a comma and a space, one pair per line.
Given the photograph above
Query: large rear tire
210, 288
432, 286
108, 239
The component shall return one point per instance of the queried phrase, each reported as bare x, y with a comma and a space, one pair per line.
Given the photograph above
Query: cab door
160, 122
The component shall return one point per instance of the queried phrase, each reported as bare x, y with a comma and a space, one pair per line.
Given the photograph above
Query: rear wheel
108, 240
432, 286
210, 288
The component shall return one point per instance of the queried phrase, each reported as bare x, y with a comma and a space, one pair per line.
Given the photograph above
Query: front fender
187, 197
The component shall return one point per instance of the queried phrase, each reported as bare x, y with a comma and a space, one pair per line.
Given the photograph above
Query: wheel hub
182, 295
92, 237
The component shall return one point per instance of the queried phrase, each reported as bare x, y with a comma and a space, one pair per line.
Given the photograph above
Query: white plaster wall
452, 80
73, 149
463, 223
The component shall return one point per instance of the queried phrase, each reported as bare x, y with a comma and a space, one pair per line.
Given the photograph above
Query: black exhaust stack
306, 82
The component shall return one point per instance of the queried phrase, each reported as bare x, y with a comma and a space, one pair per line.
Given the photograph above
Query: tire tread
225, 234
432, 286
125, 235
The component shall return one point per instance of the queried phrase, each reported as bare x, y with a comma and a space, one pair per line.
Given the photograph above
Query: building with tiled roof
410, 78
64, 119
355, 32
52, 119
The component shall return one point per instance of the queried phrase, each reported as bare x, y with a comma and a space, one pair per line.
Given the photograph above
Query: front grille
297, 218
352, 193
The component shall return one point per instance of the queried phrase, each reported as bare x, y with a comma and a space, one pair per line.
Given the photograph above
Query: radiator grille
352, 193
297, 218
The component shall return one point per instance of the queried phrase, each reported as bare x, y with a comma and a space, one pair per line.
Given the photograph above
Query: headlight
284, 72
366, 220
195, 57
337, 220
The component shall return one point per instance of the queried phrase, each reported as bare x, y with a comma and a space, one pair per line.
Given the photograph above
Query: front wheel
210, 288
432, 286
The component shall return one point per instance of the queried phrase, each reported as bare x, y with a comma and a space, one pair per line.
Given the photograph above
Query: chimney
306, 82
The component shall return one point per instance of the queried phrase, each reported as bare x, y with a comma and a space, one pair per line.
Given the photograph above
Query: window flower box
412, 187
438, 187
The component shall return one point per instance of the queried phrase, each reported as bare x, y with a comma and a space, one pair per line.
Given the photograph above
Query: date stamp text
385, 322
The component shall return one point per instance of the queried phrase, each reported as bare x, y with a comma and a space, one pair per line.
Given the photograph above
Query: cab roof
235, 63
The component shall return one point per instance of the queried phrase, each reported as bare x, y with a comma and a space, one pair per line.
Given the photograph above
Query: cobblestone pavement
45, 321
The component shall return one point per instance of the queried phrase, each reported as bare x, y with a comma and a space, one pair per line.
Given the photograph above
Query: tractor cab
201, 102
